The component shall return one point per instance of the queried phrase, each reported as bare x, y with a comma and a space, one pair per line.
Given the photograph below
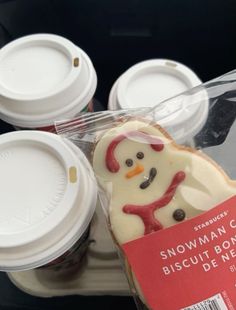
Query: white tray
101, 273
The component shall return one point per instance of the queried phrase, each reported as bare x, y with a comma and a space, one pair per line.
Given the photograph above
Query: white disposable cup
43, 78
149, 83
48, 198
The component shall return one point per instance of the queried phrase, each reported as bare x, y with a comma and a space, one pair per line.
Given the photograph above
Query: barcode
213, 303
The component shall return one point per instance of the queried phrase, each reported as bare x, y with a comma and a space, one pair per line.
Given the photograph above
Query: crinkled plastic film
177, 160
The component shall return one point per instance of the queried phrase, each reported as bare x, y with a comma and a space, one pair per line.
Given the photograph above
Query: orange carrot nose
138, 169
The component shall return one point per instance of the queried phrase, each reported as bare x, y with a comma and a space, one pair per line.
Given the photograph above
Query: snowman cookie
153, 183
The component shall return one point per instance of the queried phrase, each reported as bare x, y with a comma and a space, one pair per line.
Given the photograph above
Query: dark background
116, 35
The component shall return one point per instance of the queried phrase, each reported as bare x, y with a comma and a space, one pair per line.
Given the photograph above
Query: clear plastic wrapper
167, 188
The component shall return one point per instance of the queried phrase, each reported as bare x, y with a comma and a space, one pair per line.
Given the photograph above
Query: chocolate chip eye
179, 215
129, 162
140, 155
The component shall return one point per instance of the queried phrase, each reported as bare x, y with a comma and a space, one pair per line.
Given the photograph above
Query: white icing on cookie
203, 186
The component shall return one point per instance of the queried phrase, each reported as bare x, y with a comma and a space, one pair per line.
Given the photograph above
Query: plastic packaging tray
100, 274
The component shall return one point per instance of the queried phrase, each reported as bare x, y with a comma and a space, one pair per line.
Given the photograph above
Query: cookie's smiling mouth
152, 175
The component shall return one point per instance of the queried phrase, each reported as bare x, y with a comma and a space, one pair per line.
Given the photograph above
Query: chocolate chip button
129, 162
140, 155
179, 215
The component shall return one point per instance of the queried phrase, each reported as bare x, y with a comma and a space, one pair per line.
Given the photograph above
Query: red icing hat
111, 162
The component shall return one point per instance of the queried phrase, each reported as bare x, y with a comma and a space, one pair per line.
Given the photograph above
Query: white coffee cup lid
43, 77
48, 197
151, 82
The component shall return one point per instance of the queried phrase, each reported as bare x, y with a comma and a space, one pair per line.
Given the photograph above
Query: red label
50, 128
191, 263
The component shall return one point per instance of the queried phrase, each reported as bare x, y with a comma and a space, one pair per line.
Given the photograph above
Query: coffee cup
43, 78
48, 198
151, 83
